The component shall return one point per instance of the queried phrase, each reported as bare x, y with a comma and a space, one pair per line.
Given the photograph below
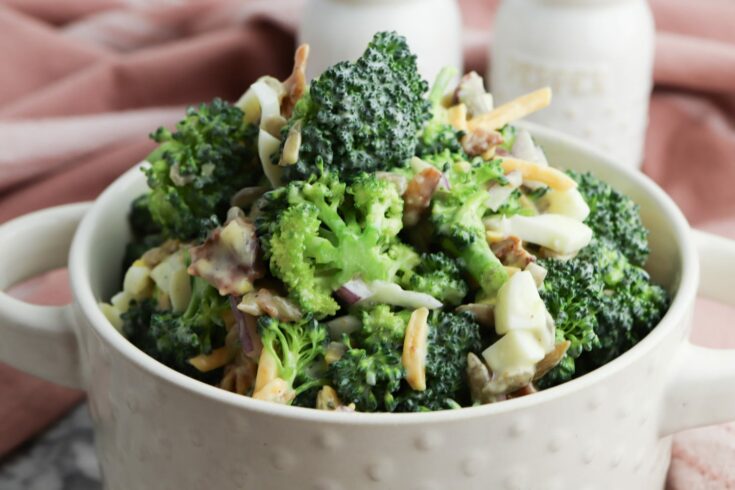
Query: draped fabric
84, 81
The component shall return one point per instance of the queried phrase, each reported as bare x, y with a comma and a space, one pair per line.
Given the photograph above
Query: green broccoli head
196, 169
370, 374
630, 307
140, 218
173, 339
457, 215
298, 349
439, 276
382, 327
602, 303
451, 337
146, 232
319, 234
614, 217
571, 291
368, 378
362, 116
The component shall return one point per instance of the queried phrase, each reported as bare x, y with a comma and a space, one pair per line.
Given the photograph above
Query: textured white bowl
158, 429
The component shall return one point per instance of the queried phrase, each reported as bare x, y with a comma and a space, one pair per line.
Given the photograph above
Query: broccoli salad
369, 243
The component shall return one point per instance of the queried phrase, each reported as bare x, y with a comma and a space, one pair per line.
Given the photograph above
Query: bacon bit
230, 258
510, 252
480, 141
486, 387
529, 389
418, 194
478, 376
264, 302
295, 85
239, 376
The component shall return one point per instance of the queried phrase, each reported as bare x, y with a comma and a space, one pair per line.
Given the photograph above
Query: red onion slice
384, 292
444, 183
353, 291
247, 330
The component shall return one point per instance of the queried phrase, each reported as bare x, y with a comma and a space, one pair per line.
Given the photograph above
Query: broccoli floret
614, 217
457, 215
362, 116
298, 351
173, 338
630, 307
369, 379
600, 302
140, 218
383, 327
196, 169
508, 133
137, 321
146, 232
451, 337
571, 291
439, 276
319, 234
370, 374
439, 140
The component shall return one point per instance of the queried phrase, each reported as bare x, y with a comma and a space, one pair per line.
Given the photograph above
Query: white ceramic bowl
158, 429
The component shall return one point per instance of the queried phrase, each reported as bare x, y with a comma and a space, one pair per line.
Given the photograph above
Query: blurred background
84, 81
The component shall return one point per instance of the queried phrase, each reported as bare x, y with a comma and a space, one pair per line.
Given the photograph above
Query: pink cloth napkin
86, 80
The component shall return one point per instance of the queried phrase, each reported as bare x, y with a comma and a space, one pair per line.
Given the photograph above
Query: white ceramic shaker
597, 56
339, 30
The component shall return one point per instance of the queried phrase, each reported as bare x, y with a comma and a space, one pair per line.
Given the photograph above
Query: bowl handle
38, 339
700, 386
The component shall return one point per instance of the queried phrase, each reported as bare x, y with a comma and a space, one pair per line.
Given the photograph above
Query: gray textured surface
62, 458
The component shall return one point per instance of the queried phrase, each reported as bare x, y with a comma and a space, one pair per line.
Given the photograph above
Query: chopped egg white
519, 307
137, 280
567, 203
121, 301
518, 351
163, 273
561, 234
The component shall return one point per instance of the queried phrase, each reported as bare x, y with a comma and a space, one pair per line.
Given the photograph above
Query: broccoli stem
442, 81
477, 258
484, 266
198, 291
